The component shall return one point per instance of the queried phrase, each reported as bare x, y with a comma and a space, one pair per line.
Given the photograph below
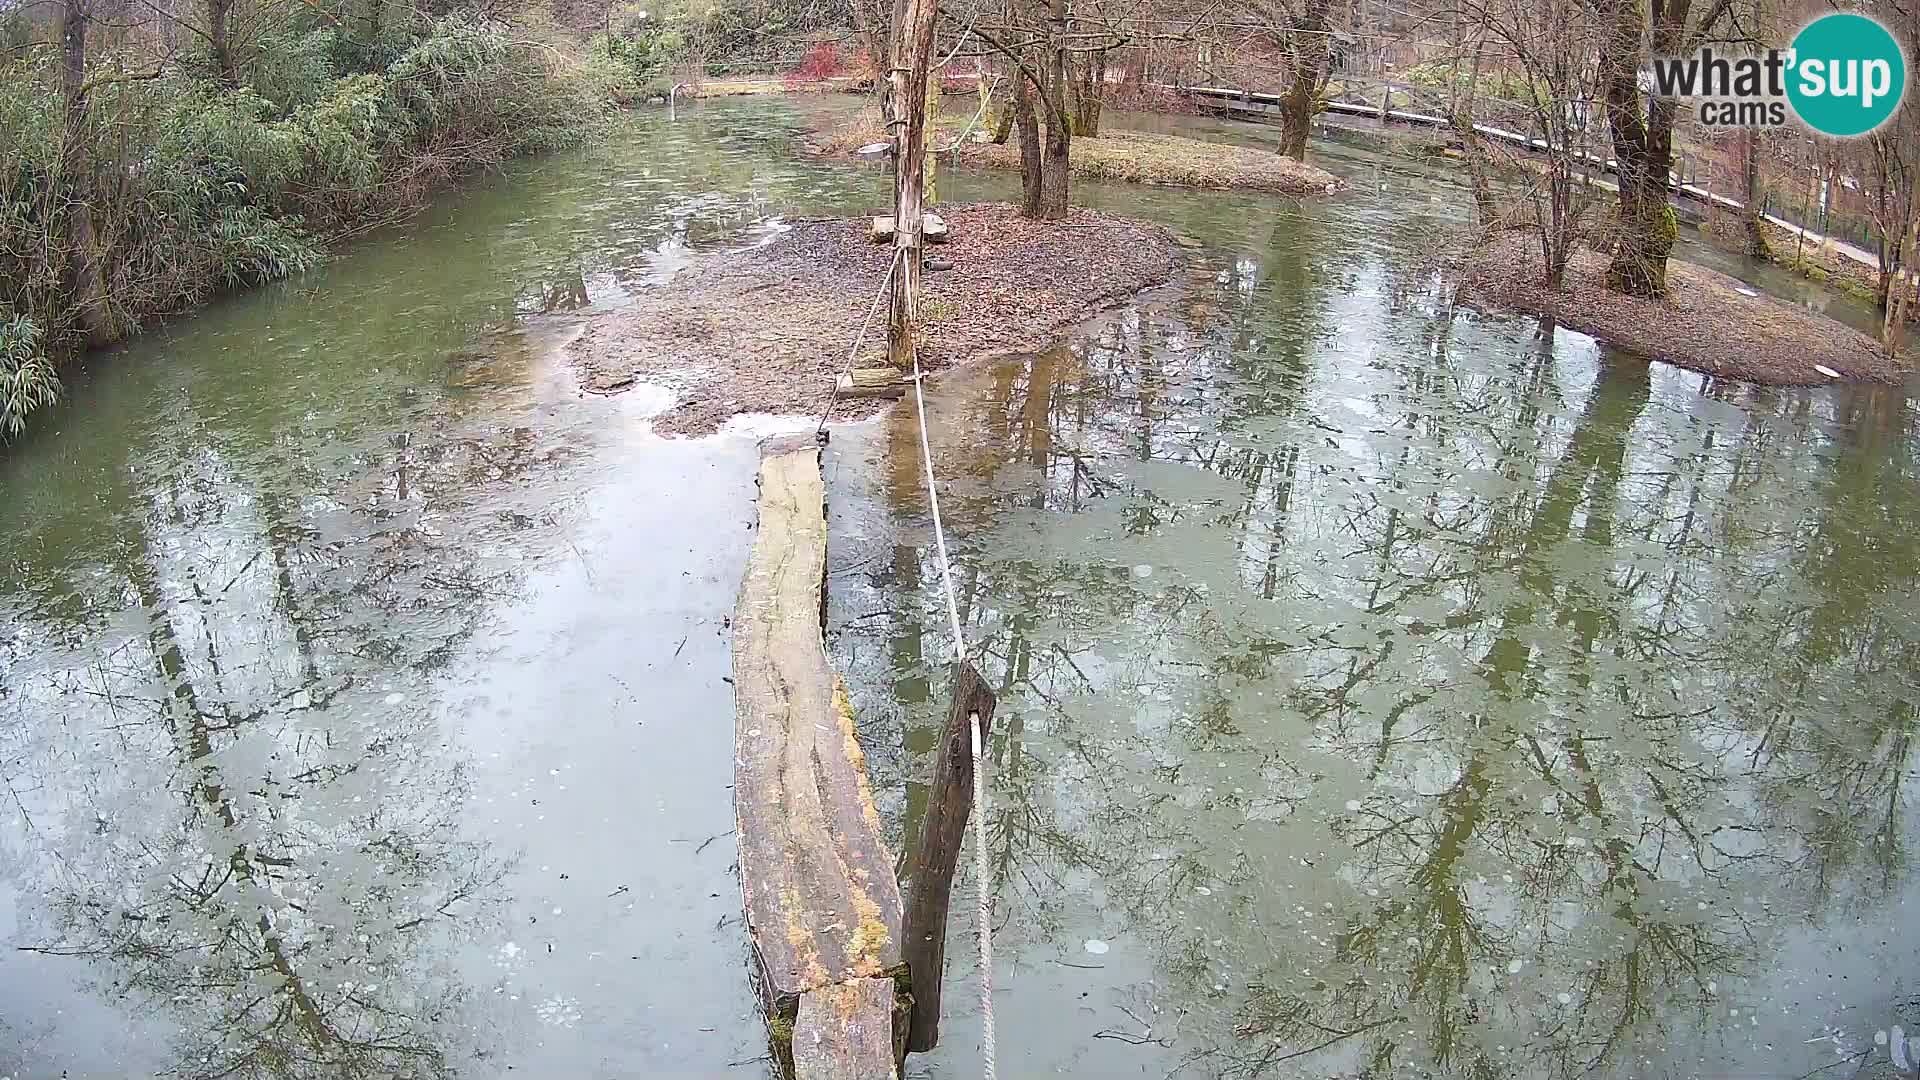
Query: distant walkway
1250, 103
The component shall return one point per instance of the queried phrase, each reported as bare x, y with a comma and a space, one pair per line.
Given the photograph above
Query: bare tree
1552, 44
1643, 131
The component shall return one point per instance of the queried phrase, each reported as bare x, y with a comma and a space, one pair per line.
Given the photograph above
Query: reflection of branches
1508, 619
271, 850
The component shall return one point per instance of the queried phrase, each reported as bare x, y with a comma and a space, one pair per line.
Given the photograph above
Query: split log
845, 1032
880, 382
822, 904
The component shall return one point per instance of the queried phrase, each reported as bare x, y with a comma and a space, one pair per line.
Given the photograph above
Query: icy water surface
362, 709
1382, 687
1388, 690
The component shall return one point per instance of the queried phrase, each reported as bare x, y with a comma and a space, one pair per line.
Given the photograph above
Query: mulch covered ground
1133, 156
1705, 323
767, 329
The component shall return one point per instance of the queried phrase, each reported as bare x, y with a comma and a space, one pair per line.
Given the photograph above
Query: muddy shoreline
1708, 322
768, 329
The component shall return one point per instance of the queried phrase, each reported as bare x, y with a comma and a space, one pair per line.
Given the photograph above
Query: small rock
607, 384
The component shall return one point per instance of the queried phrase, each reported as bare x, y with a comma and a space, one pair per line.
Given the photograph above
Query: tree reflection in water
261, 831
1426, 693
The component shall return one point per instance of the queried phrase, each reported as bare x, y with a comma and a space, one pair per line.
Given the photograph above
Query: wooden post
943, 836
912, 55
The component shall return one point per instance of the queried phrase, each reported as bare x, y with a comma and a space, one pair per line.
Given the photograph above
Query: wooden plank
943, 833
822, 904
871, 383
869, 377
932, 226
845, 1032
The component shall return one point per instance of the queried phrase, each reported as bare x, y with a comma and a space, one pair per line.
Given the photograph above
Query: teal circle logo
1848, 75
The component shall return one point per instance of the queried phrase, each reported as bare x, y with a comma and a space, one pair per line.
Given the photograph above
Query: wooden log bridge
822, 903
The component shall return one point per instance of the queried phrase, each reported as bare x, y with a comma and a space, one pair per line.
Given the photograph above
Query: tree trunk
219, 38
86, 277
1642, 146
1000, 121
1470, 145
1311, 58
912, 55
1900, 290
1090, 81
1054, 177
1030, 163
936, 854
1643, 149
870, 25
1753, 195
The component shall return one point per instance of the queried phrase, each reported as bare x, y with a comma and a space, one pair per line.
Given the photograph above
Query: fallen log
822, 903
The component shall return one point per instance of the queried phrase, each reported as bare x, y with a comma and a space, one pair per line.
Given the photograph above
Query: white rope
984, 907
854, 352
984, 912
933, 505
977, 114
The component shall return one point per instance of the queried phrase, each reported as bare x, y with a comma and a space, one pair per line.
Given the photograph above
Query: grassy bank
172, 178
1133, 156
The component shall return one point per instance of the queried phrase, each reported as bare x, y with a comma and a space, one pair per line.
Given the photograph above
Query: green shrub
348, 135
189, 187
27, 381
295, 69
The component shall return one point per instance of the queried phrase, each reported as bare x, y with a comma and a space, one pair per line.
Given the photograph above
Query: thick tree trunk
85, 274
1030, 163
1311, 60
1643, 139
1643, 148
912, 55
1752, 195
220, 39
1054, 175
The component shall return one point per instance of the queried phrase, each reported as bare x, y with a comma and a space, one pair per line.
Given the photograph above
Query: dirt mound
1708, 321
767, 329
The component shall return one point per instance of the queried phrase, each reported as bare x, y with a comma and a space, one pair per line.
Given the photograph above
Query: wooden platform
822, 903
